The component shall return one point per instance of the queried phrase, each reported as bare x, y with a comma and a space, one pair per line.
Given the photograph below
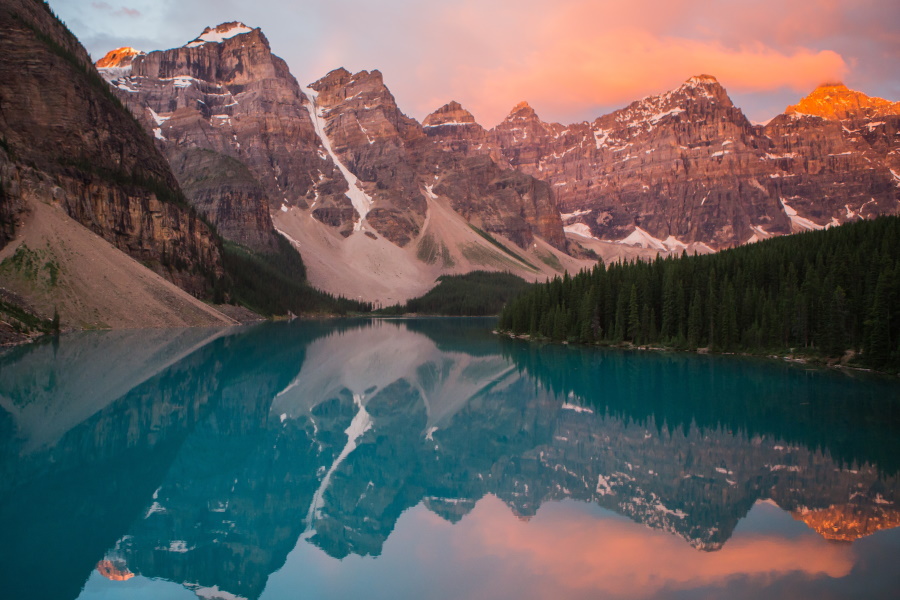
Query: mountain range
380, 205
683, 170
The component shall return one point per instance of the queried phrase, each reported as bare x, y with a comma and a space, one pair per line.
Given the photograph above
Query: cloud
123, 11
571, 59
617, 67
583, 56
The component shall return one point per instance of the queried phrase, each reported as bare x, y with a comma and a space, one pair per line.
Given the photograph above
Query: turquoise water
431, 459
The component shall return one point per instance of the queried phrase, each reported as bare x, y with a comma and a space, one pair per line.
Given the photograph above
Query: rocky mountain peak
118, 58
219, 34
703, 86
702, 79
837, 102
346, 85
451, 113
522, 110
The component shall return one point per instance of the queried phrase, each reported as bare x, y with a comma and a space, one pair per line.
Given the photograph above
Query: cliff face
341, 149
400, 163
837, 102
687, 166
67, 140
226, 92
375, 141
225, 190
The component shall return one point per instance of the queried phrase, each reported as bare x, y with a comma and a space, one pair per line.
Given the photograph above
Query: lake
429, 458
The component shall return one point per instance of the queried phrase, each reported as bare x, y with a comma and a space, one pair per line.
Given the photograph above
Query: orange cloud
588, 54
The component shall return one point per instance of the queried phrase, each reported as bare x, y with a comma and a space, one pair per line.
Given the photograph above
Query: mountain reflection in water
244, 462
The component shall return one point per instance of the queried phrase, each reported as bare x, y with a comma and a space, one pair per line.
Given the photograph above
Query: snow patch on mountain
579, 229
798, 222
361, 201
641, 238
219, 34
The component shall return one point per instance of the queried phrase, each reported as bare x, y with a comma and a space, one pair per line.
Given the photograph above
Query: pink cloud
123, 11
585, 54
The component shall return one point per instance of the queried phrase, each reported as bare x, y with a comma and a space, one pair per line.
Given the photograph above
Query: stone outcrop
66, 139
837, 102
688, 167
376, 142
225, 190
681, 170
341, 149
226, 92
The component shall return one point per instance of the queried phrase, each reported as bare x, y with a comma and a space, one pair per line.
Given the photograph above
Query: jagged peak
451, 113
522, 110
835, 101
703, 85
333, 77
702, 79
220, 33
120, 57
374, 74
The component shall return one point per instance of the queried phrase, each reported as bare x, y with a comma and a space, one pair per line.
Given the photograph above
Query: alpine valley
235, 153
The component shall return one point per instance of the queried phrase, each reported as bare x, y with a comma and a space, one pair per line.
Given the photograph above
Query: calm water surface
430, 459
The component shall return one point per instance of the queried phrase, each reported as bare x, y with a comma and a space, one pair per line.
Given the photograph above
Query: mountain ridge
681, 170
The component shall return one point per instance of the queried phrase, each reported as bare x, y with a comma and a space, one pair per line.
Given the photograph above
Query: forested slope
821, 292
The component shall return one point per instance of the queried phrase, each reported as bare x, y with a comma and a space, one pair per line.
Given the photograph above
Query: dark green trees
820, 292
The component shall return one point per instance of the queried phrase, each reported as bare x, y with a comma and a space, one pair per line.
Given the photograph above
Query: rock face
226, 191
836, 102
375, 141
341, 149
66, 139
118, 58
680, 170
226, 92
688, 167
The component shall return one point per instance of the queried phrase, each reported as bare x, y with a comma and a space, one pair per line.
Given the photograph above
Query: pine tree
634, 316
695, 321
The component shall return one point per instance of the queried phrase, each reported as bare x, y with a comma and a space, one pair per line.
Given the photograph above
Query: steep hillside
68, 141
64, 269
377, 204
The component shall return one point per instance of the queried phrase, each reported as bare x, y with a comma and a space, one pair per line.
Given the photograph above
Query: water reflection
232, 462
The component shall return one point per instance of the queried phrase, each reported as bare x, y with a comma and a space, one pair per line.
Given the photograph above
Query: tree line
477, 293
818, 292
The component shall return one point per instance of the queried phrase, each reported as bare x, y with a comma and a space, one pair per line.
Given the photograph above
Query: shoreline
792, 358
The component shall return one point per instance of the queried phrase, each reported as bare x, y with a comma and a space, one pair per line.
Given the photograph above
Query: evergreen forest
478, 293
818, 293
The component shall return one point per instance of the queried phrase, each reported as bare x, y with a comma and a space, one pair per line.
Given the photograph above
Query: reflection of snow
361, 423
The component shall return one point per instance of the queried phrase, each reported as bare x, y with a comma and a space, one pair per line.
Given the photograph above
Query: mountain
225, 93
682, 170
377, 203
837, 102
686, 168
93, 224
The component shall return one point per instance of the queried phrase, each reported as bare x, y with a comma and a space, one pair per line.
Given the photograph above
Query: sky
572, 60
